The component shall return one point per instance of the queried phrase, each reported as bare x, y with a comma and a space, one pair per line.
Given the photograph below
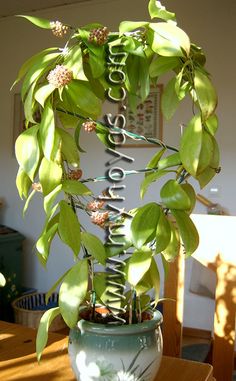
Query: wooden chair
216, 251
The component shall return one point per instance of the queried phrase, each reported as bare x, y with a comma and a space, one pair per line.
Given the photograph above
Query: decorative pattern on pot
116, 353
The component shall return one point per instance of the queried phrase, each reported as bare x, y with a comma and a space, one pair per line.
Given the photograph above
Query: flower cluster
75, 174
60, 76
99, 218
89, 125
95, 205
99, 35
58, 29
37, 187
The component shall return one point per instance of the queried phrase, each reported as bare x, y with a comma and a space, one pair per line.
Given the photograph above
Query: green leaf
150, 179
28, 201
75, 187
173, 247
83, 97
162, 65
42, 333
155, 279
47, 131
156, 9
41, 23
69, 227
67, 120
50, 198
68, 148
23, 183
29, 63
39, 68
73, 291
206, 94
163, 232
155, 160
169, 40
205, 176
94, 247
172, 160
2, 280
196, 148
174, 196
212, 124
42, 94
29, 105
128, 26
144, 224
169, 100
105, 291
103, 135
74, 62
27, 151
44, 242
137, 265
189, 190
188, 231
97, 65
50, 175
120, 238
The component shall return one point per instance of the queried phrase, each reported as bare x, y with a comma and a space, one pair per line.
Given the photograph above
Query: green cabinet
11, 266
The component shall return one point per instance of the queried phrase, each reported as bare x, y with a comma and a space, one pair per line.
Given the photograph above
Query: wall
209, 24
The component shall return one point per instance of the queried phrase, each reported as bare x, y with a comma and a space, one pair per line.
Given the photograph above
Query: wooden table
18, 361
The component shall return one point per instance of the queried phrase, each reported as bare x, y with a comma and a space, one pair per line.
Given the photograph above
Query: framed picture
146, 120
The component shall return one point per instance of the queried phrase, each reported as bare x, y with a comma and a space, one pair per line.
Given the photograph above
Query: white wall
210, 24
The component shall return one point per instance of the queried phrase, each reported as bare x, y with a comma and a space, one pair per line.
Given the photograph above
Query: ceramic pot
116, 353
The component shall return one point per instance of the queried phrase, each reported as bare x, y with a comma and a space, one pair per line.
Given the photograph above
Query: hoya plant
63, 91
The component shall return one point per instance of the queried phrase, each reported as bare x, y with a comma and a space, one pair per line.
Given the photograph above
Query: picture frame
147, 120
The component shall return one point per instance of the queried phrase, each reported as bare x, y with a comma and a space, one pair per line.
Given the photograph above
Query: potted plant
63, 90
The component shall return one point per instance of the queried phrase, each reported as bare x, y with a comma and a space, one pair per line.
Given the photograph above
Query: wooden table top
18, 360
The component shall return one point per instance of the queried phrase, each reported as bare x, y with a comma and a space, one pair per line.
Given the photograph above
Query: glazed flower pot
107, 352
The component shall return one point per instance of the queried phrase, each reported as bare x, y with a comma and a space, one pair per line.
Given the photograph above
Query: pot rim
126, 329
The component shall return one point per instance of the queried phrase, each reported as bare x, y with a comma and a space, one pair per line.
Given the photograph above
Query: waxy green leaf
156, 9
172, 249
42, 333
50, 175
174, 197
27, 151
73, 291
169, 100
83, 97
68, 148
162, 65
169, 40
137, 265
128, 26
75, 187
163, 232
69, 228
188, 231
196, 149
40, 22
206, 94
74, 62
94, 246
42, 94
150, 179
47, 131
144, 223
23, 183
